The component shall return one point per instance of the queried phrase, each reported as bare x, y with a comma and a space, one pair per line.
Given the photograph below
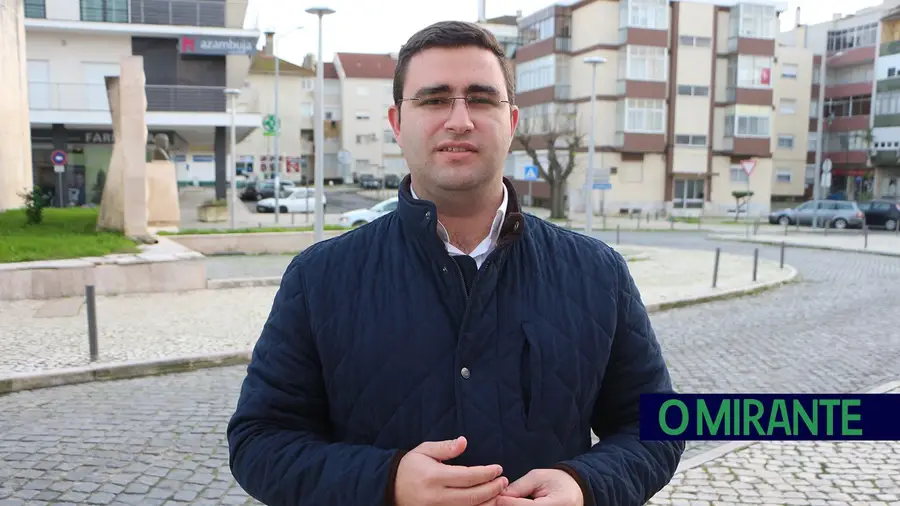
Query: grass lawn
64, 233
257, 230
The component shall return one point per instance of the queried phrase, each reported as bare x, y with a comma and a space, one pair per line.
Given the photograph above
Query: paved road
339, 201
144, 441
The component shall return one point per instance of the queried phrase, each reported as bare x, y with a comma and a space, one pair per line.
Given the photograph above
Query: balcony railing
562, 92
160, 98
207, 13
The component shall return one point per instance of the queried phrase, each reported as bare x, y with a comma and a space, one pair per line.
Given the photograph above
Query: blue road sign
531, 173
603, 186
58, 157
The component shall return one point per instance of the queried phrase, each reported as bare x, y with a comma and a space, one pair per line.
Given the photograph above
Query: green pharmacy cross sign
271, 125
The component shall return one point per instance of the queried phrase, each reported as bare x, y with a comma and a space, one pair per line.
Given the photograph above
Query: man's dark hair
451, 34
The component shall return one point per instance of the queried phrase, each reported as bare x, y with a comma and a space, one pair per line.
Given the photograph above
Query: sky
381, 26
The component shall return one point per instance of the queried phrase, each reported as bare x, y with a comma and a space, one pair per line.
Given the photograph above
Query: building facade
686, 103
192, 51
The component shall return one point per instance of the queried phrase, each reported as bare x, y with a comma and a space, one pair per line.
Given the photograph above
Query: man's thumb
443, 450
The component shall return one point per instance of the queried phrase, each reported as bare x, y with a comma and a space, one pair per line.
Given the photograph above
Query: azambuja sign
216, 46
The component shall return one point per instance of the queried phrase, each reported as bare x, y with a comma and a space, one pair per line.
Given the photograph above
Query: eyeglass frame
429, 93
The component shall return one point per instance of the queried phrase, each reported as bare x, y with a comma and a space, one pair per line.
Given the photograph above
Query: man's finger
443, 450
504, 500
477, 494
467, 477
523, 487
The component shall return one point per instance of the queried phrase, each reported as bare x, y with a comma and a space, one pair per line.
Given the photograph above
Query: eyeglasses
473, 103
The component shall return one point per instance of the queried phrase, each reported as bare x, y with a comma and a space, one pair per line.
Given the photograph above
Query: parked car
369, 182
392, 181
882, 213
300, 200
259, 190
838, 214
359, 217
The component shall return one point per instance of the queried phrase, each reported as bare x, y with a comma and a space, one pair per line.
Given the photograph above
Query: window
858, 105
538, 30
646, 63
753, 21
789, 71
809, 176
747, 126
688, 193
851, 75
783, 176
110, 11
693, 91
887, 103
547, 117
785, 142
332, 113
844, 141
812, 142
750, 71
653, 14
787, 106
690, 140
35, 9
814, 109
308, 84
644, 115
849, 38
689, 40
738, 175
536, 74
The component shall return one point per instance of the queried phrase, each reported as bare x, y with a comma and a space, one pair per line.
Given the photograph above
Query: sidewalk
43, 335
804, 473
878, 243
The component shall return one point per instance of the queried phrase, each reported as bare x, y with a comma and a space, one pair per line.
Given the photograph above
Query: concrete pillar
15, 127
220, 146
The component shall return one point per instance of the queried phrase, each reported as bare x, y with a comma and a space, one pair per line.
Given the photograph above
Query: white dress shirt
487, 245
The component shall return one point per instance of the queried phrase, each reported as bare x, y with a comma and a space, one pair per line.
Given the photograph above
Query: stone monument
162, 186
15, 128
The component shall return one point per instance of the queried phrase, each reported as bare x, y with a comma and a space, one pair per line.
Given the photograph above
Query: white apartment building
192, 50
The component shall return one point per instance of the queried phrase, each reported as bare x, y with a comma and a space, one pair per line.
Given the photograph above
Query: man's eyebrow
433, 90
444, 88
482, 88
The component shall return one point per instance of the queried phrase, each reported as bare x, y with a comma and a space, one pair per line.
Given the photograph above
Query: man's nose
458, 119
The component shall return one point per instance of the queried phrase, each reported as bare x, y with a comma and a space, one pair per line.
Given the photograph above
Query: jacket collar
420, 216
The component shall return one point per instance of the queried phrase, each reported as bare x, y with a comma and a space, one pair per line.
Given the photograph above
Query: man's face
454, 147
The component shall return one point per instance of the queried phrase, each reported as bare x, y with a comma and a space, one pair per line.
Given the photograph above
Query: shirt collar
495, 226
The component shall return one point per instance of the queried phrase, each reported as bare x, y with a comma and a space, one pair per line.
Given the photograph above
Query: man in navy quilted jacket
455, 352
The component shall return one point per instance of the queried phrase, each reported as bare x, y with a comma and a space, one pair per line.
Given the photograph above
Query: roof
330, 71
367, 66
504, 20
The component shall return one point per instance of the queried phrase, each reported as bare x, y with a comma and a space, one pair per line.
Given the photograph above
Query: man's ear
394, 118
513, 119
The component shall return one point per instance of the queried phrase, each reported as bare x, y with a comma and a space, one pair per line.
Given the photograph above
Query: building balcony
886, 120
747, 146
85, 97
640, 142
847, 123
749, 96
562, 92
633, 88
848, 89
199, 13
885, 85
889, 48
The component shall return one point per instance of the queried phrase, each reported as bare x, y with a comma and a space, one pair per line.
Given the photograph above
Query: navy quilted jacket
362, 358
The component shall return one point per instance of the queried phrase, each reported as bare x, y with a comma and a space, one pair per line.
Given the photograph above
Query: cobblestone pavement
785, 473
40, 335
142, 441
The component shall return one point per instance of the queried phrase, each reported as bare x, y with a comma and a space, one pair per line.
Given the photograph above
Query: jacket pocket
530, 377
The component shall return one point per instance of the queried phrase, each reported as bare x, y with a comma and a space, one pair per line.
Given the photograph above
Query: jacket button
465, 373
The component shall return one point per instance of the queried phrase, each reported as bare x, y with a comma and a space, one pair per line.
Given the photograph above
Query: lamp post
277, 188
593, 61
233, 93
319, 175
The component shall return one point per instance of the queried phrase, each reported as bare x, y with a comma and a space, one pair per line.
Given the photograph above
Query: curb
119, 371
224, 283
793, 276
736, 446
768, 242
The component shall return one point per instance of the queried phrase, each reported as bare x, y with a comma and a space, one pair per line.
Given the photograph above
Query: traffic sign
345, 157
826, 166
58, 157
826, 179
271, 125
603, 186
531, 173
748, 166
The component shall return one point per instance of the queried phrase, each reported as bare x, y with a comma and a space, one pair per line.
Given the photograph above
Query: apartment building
686, 103
192, 51
296, 109
366, 95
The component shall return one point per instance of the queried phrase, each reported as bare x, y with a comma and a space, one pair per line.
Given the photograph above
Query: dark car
369, 182
258, 190
881, 213
392, 181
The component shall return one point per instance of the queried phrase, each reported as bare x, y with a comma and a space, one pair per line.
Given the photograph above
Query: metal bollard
639, 222
782, 255
755, 263
90, 295
617, 233
699, 222
604, 221
865, 235
648, 217
716, 268
672, 224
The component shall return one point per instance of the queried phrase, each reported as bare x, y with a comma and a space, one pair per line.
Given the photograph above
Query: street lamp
593, 61
277, 134
319, 174
233, 93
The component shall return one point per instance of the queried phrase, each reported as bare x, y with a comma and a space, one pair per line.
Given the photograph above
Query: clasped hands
424, 480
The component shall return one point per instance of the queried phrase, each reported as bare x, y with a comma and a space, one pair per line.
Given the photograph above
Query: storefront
89, 153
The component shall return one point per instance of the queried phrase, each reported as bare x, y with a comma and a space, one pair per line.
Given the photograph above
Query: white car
359, 217
299, 200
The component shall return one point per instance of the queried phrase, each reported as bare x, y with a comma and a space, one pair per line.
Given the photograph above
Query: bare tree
558, 135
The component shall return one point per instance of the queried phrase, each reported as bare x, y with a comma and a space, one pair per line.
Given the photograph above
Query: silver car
836, 213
